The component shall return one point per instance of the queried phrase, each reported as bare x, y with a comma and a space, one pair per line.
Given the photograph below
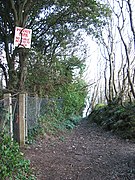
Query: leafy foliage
12, 163
60, 19
46, 78
54, 24
99, 106
58, 118
34, 132
55, 124
117, 118
74, 95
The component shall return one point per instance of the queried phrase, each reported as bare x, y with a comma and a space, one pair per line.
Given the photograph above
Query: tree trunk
22, 69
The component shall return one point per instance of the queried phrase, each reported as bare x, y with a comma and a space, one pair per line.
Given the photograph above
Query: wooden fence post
8, 108
22, 119
37, 107
26, 116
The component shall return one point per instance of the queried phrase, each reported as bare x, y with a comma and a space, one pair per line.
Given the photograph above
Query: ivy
12, 162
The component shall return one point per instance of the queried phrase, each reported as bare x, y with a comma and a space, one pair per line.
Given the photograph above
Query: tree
117, 46
108, 46
14, 13
53, 24
44, 78
127, 45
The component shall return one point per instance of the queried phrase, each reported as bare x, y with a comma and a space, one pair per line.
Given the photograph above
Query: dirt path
87, 153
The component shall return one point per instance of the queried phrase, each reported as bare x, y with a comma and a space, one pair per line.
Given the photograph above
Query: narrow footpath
86, 153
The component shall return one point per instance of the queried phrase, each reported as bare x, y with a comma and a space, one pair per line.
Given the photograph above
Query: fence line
8, 109
37, 107
2, 115
21, 113
7, 114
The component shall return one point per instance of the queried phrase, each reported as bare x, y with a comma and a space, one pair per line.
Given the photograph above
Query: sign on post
22, 37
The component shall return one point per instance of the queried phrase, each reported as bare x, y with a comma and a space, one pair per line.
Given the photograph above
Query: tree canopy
53, 24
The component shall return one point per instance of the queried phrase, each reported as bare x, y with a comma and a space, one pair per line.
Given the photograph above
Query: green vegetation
116, 118
74, 98
13, 166
60, 83
56, 79
52, 125
56, 27
48, 68
60, 118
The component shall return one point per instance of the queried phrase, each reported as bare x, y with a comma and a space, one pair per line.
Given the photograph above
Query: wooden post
8, 108
26, 116
22, 119
37, 107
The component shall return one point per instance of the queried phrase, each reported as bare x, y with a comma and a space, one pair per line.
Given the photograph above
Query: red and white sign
22, 37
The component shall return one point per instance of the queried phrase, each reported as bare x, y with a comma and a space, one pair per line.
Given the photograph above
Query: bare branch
15, 12
131, 20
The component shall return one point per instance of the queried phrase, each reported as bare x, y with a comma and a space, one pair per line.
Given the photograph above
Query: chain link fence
17, 123
37, 107
8, 115
3, 121
15, 118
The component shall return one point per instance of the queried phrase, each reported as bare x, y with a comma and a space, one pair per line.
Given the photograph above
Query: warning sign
22, 37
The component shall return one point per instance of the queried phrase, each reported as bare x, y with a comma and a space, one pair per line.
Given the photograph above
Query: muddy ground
85, 153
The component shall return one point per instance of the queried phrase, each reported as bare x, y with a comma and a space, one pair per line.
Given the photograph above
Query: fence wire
35, 108
32, 111
2, 116
38, 107
15, 118
8, 120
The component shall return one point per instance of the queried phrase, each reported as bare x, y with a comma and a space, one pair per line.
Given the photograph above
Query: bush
34, 132
64, 112
74, 96
12, 163
56, 123
119, 119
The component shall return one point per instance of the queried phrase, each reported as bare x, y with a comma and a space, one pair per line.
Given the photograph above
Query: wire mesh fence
8, 114
15, 118
3, 121
32, 111
20, 113
37, 107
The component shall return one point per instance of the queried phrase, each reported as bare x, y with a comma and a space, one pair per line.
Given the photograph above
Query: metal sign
22, 37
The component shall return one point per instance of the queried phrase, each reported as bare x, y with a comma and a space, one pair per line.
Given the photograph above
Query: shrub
55, 122
74, 96
119, 119
12, 163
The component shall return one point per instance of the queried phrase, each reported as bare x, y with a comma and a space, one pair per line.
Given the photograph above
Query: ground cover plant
116, 118
13, 165
53, 124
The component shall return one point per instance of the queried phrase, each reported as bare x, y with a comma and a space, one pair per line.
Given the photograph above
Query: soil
86, 153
